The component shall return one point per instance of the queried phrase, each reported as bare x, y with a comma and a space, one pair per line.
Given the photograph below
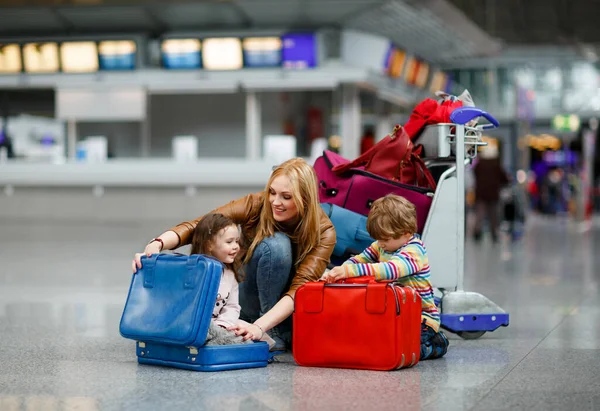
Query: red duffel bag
358, 324
393, 158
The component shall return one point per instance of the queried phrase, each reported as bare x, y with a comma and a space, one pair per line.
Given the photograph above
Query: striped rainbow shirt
409, 265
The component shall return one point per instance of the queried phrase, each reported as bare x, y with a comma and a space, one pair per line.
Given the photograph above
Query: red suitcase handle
361, 280
375, 303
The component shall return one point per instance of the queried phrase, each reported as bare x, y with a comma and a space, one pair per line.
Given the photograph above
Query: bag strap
366, 158
425, 173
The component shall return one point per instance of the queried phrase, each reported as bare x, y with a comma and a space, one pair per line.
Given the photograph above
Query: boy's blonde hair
391, 217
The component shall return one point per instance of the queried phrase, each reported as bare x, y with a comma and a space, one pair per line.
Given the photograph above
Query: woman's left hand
248, 331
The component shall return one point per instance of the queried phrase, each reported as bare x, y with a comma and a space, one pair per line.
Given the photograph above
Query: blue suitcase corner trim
168, 311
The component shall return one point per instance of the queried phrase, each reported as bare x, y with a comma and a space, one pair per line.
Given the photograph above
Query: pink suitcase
357, 190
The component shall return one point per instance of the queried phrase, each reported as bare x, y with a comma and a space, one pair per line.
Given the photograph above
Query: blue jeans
268, 277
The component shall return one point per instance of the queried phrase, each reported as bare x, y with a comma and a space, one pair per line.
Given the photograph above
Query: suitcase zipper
421, 190
417, 189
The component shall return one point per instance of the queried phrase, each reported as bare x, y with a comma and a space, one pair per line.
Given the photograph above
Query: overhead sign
10, 58
79, 57
416, 72
41, 57
117, 54
222, 54
262, 51
566, 122
395, 62
438, 82
422, 75
181, 53
299, 50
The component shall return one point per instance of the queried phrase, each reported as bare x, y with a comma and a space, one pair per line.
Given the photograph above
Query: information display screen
299, 50
395, 62
422, 75
79, 57
181, 53
10, 58
117, 54
41, 57
262, 51
222, 54
411, 70
438, 82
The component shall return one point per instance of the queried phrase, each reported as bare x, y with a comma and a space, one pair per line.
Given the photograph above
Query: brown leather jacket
245, 212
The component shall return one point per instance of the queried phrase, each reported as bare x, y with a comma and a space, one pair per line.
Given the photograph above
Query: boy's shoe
426, 351
436, 347
439, 344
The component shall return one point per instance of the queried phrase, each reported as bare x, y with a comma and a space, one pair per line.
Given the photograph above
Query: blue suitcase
351, 232
168, 312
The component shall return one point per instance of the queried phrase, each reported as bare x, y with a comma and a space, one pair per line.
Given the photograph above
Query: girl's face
280, 196
226, 244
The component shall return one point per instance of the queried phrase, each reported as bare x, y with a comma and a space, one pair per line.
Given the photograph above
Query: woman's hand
152, 248
248, 331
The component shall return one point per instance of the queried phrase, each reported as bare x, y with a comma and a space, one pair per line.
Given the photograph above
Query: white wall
219, 121
123, 137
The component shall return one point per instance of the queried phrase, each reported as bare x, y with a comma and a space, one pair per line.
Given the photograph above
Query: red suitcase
358, 324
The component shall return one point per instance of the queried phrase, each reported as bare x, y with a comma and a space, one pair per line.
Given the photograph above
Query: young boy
398, 254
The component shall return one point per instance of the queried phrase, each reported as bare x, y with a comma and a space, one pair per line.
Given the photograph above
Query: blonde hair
391, 217
303, 182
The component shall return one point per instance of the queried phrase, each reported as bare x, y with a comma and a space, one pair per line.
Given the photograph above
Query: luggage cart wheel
470, 335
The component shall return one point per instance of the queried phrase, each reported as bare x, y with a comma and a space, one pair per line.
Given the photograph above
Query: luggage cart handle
463, 115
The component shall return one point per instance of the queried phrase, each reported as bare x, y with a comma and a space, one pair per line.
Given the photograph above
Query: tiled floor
62, 289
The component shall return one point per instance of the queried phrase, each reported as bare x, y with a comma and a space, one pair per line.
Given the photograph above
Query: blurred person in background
553, 192
368, 139
533, 190
490, 177
6, 147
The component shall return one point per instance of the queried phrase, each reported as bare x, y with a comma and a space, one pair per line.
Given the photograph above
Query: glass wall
563, 87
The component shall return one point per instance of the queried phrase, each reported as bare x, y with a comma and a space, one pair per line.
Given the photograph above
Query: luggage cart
468, 314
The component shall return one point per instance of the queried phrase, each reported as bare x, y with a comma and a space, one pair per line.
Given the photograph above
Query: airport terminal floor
63, 286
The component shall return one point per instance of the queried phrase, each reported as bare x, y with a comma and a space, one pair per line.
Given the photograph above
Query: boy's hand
336, 273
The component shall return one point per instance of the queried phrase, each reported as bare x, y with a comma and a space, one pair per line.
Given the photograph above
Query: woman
290, 242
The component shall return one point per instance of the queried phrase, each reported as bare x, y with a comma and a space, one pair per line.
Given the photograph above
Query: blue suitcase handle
149, 263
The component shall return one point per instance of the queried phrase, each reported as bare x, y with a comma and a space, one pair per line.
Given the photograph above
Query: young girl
218, 236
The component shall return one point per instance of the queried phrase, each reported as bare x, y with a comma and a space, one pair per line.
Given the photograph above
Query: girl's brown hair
204, 236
